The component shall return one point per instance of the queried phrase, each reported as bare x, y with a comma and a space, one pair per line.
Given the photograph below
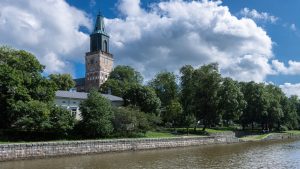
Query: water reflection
236, 156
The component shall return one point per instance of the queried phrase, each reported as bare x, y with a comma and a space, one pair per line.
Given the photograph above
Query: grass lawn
156, 134
296, 132
255, 137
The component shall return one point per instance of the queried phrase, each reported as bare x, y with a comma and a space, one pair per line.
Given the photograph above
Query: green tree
61, 120
35, 115
275, 114
62, 81
172, 113
206, 82
20, 80
189, 121
257, 103
165, 87
96, 114
291, 112
143, 97
187, 89
232, 103
120, 79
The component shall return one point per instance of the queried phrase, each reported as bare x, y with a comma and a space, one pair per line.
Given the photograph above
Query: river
272, 155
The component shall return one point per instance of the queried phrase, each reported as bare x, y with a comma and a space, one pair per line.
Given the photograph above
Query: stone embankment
50, 149
64, 148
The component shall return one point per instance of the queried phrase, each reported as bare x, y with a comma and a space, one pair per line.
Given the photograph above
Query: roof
83, 95
79, 81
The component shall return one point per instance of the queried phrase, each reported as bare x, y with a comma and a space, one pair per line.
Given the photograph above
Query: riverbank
19, 151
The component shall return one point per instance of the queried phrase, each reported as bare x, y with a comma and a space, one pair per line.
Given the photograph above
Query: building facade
71, 100
98, 61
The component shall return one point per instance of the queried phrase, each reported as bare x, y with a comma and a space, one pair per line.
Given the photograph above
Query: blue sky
250, 39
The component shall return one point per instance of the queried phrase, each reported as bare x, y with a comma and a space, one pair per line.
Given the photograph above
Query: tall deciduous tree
62, 81
165, 87
187, 89
232, 103
290, 108
143, 97
20, 80
206, 82
275, 112
257, 103
120, 79
96, 114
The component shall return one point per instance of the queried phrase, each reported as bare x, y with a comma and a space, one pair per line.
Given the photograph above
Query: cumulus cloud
291, 89
258, 16
175, 33
293, 67
48, 28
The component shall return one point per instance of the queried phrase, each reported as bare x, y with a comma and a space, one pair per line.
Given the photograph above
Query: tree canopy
62, 81
20, 80
120, 79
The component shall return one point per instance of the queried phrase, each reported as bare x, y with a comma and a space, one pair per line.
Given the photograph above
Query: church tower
99, 61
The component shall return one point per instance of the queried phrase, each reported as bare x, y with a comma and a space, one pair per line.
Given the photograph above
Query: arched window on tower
105, 46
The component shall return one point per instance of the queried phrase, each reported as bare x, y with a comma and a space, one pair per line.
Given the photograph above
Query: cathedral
98, 61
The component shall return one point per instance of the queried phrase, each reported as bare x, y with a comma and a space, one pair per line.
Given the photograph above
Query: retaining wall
48, 149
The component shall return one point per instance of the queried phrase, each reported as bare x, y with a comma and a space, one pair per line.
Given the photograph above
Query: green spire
99, 25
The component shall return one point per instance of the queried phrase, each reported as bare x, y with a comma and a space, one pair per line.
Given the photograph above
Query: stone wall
281, 136
48, 149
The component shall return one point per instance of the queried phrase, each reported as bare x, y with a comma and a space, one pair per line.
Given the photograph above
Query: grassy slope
296, 132
255, 137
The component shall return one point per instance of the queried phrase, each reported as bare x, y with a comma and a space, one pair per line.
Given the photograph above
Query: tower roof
99, 25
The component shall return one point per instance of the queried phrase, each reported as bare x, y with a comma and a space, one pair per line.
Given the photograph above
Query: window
63, 101
73, 111
105, 46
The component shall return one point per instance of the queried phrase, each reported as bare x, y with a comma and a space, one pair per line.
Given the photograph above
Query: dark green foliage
128, 121
189, 121
143, 97
291, 116
35, 116
61, 120
187, 89
231, 101
120, 79
62, 81
96, 115
256, 98
172, 113
165, 87
20, 80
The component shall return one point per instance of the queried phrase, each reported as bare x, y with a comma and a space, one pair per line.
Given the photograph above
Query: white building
72, 99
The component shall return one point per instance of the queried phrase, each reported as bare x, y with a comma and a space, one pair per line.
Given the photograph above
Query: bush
35, 116
96, 114
129, 121
283, 128
61, 120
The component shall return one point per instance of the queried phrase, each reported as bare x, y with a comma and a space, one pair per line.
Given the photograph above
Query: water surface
272, 155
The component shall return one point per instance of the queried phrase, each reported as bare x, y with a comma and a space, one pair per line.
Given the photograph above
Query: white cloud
293, 27
48, 28
258, 16
293, 67
175, 33
291, 89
